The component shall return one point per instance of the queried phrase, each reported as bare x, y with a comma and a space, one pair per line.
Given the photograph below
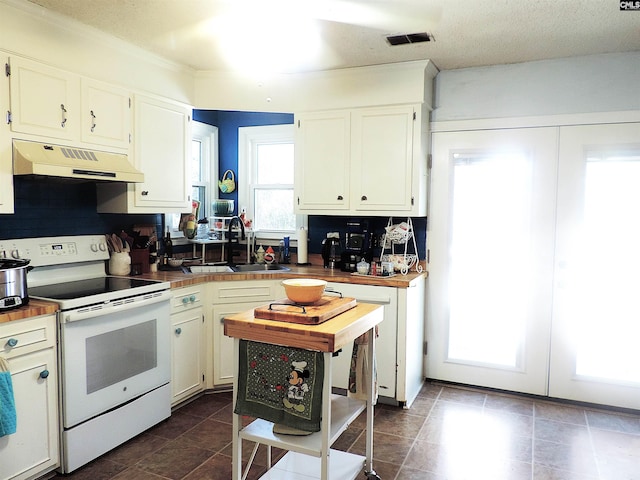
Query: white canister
120, 263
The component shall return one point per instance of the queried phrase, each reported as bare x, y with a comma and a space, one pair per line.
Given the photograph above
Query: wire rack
399, 236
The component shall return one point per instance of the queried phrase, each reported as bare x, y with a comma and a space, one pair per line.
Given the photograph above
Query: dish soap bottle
260, 255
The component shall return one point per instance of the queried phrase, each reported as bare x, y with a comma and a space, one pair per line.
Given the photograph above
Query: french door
596, 316
533, 240
490, 236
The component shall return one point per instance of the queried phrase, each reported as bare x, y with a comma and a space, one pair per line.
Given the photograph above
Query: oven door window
112, 359
121, 354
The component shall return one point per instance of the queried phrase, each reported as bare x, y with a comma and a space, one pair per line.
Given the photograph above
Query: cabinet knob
340, 197
178, 331
145, 193
192, 298
12, 342
185, 300
363, 198
44, 373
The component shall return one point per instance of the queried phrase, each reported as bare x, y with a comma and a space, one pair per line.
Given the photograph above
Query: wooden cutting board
286, 311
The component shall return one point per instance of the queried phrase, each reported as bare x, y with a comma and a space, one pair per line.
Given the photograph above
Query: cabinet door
106, 114
44, 100
162, 145
386, 351
382, 159
322, 161
223, 358
187, 347
6, 164
33, 449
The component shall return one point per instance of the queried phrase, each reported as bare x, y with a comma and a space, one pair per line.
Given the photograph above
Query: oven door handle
115, 306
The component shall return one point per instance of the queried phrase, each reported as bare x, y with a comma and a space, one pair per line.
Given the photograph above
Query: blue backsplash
46, 207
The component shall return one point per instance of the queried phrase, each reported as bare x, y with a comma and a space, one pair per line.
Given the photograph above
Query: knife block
140, 261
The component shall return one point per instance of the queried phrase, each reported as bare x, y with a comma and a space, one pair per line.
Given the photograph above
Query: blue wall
228, 123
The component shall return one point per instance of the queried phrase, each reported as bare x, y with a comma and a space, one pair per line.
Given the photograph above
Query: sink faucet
234, 220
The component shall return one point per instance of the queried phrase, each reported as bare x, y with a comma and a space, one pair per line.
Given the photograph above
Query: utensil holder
120, 263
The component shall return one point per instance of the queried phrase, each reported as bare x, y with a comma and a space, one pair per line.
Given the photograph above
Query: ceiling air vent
409, 38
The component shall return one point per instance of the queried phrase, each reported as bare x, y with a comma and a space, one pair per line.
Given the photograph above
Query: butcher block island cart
309, 456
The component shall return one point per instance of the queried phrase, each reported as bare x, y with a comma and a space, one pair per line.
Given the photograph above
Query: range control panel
46, 251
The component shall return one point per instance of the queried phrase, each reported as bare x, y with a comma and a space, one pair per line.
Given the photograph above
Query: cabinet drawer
254, 291
25, 336
186, 299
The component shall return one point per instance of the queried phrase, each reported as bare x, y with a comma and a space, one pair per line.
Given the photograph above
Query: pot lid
10, 263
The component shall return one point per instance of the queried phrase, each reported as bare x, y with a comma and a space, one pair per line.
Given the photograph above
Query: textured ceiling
466, 33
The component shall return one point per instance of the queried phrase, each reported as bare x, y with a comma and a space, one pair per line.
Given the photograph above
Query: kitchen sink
256, 267
253, 268
210, 269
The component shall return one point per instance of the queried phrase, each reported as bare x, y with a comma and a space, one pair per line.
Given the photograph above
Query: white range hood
33, 158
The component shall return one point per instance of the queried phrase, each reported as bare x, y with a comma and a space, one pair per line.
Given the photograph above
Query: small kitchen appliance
358, 245
13, 281
114, 343
331, 250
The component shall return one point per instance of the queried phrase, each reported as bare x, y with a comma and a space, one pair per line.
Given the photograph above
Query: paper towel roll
303, 246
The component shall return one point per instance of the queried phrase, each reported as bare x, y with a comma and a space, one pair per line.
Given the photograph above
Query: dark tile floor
449, 433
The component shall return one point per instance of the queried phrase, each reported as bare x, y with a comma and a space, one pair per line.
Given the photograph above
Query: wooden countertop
179, 279
329, 336
33, 309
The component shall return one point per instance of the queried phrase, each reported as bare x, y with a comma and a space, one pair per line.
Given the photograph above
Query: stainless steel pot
13, 283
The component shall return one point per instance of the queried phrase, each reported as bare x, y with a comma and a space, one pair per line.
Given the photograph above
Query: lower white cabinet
399, 346
233, 297
187, 343
400, 342
29, 346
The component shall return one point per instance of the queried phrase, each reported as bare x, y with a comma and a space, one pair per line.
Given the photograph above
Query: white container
120, 263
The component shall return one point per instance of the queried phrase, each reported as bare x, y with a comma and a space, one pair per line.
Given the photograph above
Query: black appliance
358, 245
331, 251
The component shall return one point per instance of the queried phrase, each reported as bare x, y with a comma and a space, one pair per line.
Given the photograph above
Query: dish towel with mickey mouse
8, 420
280, 384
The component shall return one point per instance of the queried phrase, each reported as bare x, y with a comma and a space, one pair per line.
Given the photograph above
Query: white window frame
248, 139
208, 137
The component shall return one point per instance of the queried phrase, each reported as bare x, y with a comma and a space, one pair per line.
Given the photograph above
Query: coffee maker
358, 245
331, 250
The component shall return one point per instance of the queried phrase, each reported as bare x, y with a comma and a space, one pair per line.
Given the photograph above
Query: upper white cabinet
53, 103
6, 161
106, 118
161, 144
373, 159
45, 101
322, 146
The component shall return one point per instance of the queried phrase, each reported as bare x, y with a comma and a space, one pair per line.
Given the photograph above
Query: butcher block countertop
329, 336
34, 308
179, 279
